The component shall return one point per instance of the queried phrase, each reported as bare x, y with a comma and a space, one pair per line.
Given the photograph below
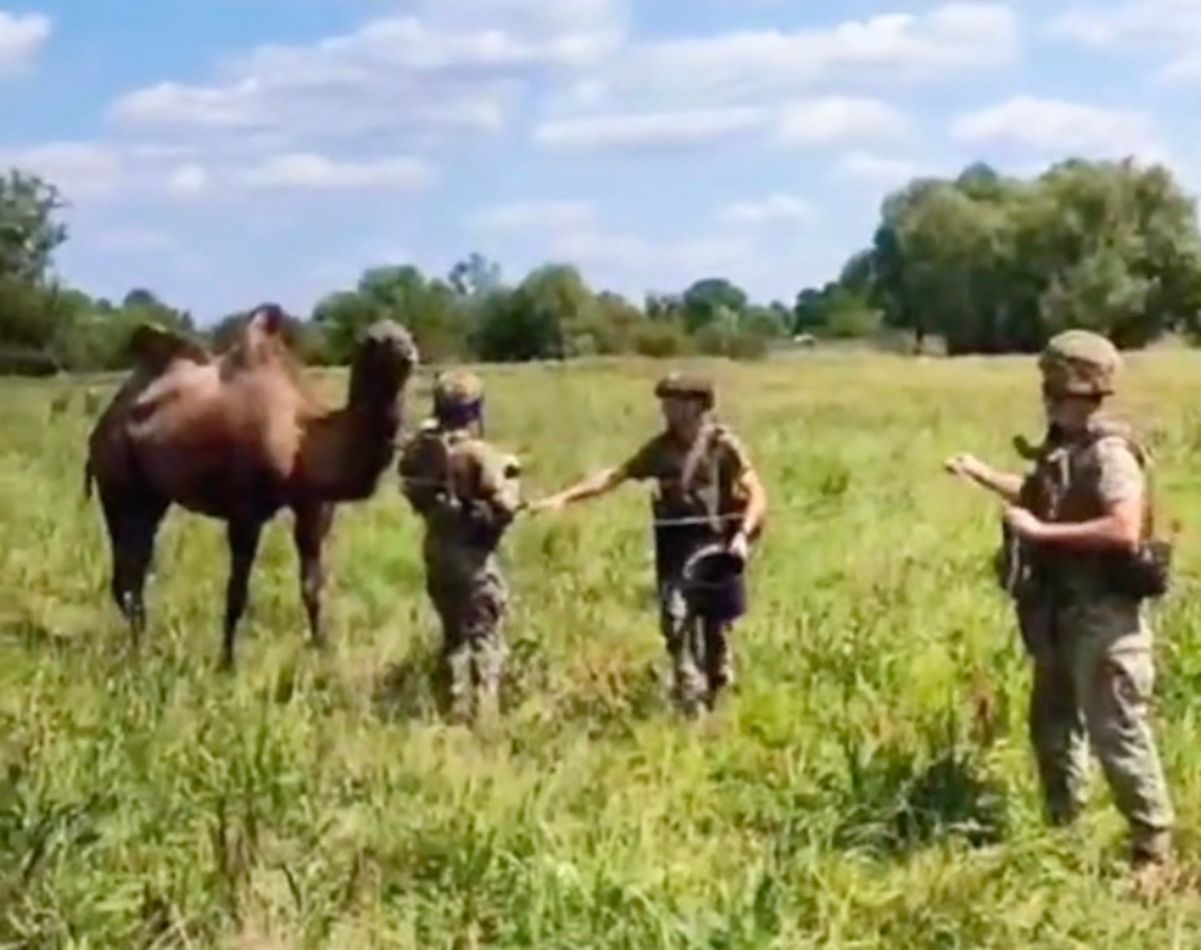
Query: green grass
869, 785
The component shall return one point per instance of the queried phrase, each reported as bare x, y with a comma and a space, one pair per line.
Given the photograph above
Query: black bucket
715, 584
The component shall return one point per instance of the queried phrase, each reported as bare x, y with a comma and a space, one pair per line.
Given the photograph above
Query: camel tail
88, 478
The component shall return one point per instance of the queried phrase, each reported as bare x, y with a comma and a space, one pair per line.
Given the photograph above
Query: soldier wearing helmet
1080, 524
468, 493
708, 494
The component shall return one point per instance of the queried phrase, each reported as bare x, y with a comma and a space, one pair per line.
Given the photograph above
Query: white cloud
122, 240
154, 151
810, 123
306, 170
880, 170
774, 209
1171, 25
1052, 126
448, 66
739, 66
1115, 25
21, 39
655, 259
533, 216
1184, 70
839, 119
189, 179
80, 170
650, 130
169, 103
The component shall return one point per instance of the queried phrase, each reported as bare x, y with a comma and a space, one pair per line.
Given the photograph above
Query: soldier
708, 493
1081, 522
468, 493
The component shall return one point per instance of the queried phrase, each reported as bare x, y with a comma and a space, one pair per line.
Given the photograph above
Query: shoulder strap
1106, 427
702, 447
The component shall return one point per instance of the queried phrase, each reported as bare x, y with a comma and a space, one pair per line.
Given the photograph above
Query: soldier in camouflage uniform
468, 493
708, 494
1081, 521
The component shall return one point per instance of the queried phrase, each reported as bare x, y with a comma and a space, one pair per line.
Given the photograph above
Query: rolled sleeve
1120, 477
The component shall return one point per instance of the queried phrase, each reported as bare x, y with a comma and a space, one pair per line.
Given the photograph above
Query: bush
661, 340
853, 320
717, 340
26, 361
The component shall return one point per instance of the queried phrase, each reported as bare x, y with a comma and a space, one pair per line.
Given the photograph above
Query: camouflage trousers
1093, 680
702, 664
472, 608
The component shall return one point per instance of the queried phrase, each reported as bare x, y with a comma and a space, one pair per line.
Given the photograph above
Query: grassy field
868, 785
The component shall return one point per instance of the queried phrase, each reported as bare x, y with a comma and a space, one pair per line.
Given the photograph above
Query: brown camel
235, 436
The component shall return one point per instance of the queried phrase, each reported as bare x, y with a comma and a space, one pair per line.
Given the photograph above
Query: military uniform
698, 484
468, 493
1089, 637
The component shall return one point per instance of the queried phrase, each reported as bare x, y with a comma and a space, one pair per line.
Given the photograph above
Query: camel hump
155, 347
263, 341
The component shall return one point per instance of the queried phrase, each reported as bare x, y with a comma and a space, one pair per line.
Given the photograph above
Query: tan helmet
686, 386
457, 388
1080, 363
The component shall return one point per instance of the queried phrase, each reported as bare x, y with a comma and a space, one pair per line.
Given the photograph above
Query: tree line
986, 263
991, 264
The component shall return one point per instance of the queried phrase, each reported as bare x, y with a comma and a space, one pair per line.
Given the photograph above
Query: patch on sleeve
1120, 477
734, 453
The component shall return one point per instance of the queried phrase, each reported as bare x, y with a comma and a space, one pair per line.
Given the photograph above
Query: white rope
788, 511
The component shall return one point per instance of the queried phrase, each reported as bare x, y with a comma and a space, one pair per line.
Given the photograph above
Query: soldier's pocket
1129, 682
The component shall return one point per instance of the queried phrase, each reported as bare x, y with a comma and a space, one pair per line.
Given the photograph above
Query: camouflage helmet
457, 389
1080, 363
682, 386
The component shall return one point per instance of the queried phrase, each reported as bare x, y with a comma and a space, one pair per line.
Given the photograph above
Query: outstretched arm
970, 468
595, 485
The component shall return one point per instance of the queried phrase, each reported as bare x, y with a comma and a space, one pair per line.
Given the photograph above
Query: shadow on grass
609, 701
415, 687
896, 803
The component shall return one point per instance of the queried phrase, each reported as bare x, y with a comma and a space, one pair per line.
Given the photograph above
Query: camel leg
243, 536
312, 526
132, 527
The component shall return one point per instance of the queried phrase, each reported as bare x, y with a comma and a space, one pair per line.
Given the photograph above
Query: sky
228, 152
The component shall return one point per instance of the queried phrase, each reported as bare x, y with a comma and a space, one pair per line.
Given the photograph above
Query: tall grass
868, 785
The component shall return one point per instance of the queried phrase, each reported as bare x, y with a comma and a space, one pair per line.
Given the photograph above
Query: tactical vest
442, 480
1064, 487
697, 509
702, 489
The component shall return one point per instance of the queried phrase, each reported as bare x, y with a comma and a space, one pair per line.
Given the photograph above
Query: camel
235, 436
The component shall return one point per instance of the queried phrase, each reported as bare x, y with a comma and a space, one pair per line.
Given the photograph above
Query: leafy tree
475, 277
341, 317
549, 310
29, 229
768, 323
995, 264
708, 301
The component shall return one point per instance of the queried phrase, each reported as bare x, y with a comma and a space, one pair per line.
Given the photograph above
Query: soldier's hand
1022, 523
964, 466
550, 505
740, 547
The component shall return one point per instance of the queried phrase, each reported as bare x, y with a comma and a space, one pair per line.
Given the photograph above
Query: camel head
383, 363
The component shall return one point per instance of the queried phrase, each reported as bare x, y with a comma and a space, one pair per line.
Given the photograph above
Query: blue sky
224, 152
